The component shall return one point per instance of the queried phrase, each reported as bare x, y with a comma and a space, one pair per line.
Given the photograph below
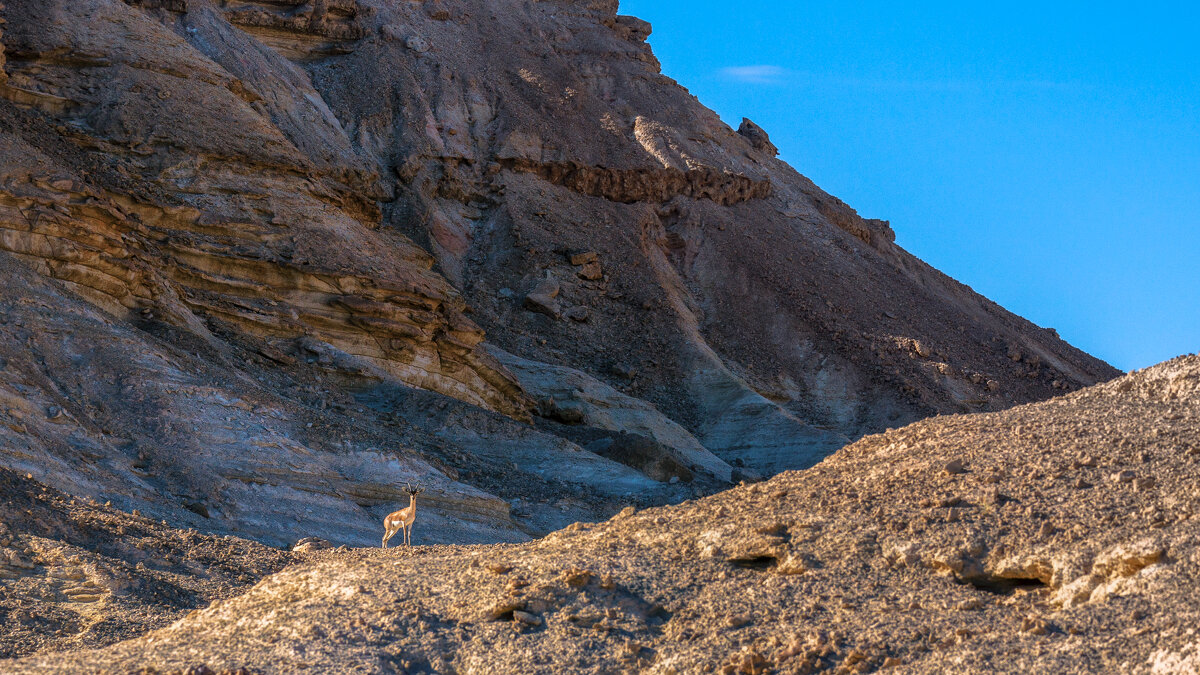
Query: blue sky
1046, 155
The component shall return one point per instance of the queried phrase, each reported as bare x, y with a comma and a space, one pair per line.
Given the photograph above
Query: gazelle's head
414, 491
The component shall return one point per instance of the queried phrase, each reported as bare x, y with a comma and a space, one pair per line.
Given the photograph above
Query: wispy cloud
760, 74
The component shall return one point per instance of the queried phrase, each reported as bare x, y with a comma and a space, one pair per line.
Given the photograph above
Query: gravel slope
1054, 537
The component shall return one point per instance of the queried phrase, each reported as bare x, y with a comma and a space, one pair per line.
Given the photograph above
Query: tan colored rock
310, 544
526, 618
955, 467
543, 298
583, 258
591, 271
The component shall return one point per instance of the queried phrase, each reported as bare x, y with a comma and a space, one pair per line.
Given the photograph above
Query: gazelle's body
402, 520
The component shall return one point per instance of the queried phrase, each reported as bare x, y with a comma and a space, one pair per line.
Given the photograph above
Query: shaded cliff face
276, 258
215, 436
727, 289
1055, 537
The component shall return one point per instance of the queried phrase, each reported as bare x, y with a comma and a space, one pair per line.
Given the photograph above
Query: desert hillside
1054, 537
267, 261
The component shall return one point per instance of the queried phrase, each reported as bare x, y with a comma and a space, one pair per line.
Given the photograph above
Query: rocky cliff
266, 261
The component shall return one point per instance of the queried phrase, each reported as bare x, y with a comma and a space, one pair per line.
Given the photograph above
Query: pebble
580, 259
576, 578
417, 43
526, 618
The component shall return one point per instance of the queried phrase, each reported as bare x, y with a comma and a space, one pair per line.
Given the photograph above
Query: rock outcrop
220, 218
299, 29
758, 137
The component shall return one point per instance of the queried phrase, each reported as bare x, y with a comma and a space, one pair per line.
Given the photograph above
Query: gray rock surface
604, 407
757, 137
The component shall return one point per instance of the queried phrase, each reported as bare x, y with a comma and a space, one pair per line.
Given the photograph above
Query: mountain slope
272, 258
1053, 537
80, 574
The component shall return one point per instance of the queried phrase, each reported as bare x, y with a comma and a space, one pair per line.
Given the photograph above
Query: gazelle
402, 519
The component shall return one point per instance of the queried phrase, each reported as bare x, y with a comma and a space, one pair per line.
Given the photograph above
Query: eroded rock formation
262, 257
227, 221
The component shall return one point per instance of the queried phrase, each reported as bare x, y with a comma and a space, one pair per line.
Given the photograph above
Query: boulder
757, 137
543, 298
577, 313
584, 258
591, 271
309, 544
